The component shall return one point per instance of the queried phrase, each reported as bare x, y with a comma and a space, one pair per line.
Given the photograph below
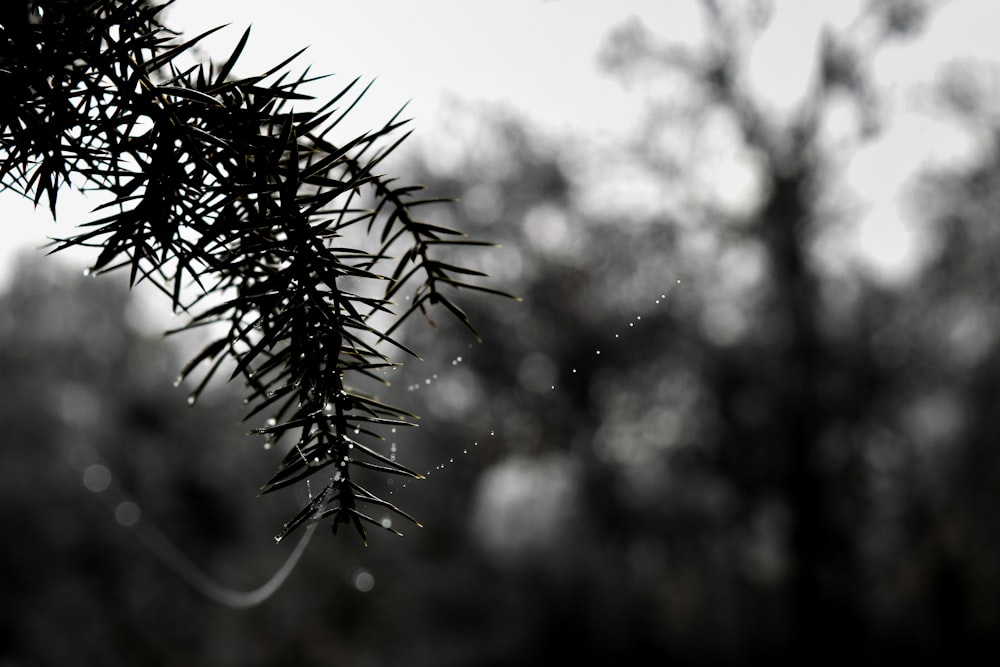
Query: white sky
537, 55
539, 58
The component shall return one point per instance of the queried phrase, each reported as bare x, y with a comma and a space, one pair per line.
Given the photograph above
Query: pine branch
224, 192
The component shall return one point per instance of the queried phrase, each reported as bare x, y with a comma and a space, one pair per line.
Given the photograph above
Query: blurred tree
99, 450
244, 211
780, 457
87, 408
754, 466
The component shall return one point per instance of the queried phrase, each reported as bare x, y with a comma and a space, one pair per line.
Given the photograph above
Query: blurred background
744, 412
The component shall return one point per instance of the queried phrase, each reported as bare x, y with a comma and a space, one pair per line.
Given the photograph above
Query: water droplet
191, 399
87, 271
574, 370
96, 478
392, 430
492, 432
678, 281
598, 352
272, 421
363, 580
127, 513
267, 445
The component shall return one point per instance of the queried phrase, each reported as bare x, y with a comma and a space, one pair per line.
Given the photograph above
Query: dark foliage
244, 210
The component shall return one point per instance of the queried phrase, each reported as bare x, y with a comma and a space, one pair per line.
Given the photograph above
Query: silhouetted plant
239, 207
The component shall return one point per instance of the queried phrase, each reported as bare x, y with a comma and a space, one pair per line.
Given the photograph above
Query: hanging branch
232, 200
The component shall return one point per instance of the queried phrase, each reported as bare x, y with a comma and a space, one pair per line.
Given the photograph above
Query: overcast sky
539, 58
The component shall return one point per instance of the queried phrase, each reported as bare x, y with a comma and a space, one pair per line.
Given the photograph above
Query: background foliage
784, 456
